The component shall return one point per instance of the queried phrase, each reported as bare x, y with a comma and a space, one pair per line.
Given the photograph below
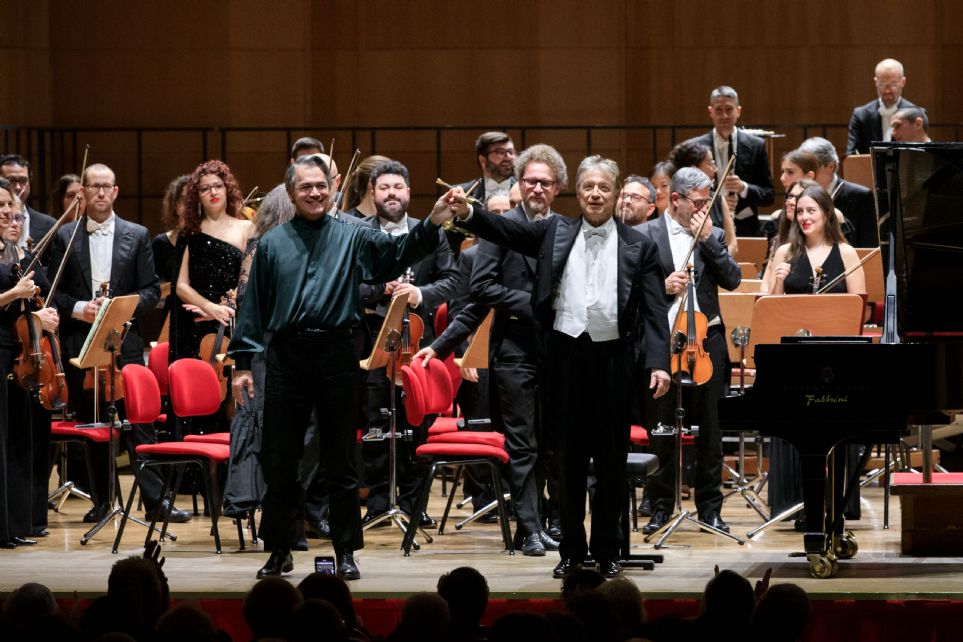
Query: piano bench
932, 514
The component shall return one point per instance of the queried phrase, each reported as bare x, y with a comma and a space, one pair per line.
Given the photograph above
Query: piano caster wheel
823, 566
846, 546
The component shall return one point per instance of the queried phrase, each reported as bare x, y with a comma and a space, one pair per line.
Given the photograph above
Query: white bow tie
390, 227
93, 227
601, 231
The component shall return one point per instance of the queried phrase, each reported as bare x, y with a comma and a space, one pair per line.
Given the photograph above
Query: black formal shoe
41, 532
645, 506
347, 566
318, 530
23, 541
532, 546
427, 521
610, 568
8, 545
565, 567
177, 516
714, 520
658, 520
96, 514
549, 542
300, 546
368, 518
491, 517
799, 525
554, 529
279, 562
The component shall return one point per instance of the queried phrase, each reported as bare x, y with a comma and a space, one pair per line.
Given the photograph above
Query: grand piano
818, 394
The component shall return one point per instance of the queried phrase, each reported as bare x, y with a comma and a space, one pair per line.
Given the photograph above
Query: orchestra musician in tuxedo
873, 121
16, 169
107, 249
598, 290
673, 234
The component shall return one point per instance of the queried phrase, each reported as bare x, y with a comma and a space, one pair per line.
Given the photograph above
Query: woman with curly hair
212, 239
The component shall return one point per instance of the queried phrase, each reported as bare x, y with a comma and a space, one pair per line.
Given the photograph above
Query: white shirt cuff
78, 311
745, 190
417, 303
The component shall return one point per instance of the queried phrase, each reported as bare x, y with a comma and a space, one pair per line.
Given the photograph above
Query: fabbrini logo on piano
826, 399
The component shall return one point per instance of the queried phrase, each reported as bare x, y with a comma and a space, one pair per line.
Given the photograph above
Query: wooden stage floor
878, 572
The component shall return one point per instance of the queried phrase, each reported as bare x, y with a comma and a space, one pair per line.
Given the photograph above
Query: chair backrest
858, 168
736, 309
439, 381
157, 362
749, 270
412, 384
777, 316
441, 319
746, 285
194, 389
751, 249
142, 399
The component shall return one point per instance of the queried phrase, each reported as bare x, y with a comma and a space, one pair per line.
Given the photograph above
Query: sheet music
93, 329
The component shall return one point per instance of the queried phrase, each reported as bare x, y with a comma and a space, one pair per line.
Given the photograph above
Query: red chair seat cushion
489, 438
69, 430
443, 425
212, 438
462, 450
214, 452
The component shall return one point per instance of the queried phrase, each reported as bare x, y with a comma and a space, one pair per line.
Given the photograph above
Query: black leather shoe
8, 545
347, 566
23, 541
96, 514
318, 530
279, 562
554, 529
658, 520
491, 517
550, 543
42, 532
177, 516
427, 521
532, 546
714, 520
368, 518
565, 567
610, 568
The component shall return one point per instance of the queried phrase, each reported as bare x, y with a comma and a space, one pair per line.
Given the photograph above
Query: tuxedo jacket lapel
628, 262
122, 249
81, 250
661, 237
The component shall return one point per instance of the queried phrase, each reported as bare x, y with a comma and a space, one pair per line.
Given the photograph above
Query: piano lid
919, 200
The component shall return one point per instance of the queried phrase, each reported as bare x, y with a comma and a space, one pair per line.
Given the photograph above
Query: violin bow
849, 271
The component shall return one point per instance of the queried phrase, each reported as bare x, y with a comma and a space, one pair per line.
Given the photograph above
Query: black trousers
701, 405
590, 389
308, 372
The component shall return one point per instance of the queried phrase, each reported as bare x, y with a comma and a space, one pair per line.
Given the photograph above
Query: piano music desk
932, 514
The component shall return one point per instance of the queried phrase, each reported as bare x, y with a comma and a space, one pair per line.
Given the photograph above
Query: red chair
194, 392
428, 391
66, 433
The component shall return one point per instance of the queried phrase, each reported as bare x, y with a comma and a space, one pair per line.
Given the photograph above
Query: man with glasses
597, 292
749, 182
636, 201
117, 252
873, 121
495, 154
16, 169
714, 268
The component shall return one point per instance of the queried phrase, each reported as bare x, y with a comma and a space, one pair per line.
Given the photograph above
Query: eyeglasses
501, 152
531, 183
14, 218
887, 85
18, 180
697, 204
96, 187
207, 189
634, 198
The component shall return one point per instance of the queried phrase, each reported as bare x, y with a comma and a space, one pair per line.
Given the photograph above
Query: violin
692, 366
413, 328
817, 278
38, 367
213, 348
103, 373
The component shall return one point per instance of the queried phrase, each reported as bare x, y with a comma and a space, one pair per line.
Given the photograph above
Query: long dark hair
782, 235
831, 231
192, 199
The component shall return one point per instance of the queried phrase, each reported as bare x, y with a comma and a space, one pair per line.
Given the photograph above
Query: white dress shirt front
587, 299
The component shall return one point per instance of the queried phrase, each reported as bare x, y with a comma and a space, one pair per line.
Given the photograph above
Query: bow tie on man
93, 227
601, 231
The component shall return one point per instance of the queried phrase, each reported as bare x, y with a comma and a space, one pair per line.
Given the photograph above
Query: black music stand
682, 379
385, 352
100, 349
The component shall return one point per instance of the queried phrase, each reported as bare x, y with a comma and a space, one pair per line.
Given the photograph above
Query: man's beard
537, 207
394, 217
496, 172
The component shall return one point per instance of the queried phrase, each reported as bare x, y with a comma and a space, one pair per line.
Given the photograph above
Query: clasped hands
452, 203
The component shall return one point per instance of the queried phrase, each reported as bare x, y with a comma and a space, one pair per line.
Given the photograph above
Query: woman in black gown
815, 239
211, 243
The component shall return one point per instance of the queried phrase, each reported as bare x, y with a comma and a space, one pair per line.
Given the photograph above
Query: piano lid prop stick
849, 271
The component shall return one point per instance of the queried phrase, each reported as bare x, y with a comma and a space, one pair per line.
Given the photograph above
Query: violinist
24, 427
815, 240
435, 280
714, 268
693, 153
65, 192
106, 249
16, 169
